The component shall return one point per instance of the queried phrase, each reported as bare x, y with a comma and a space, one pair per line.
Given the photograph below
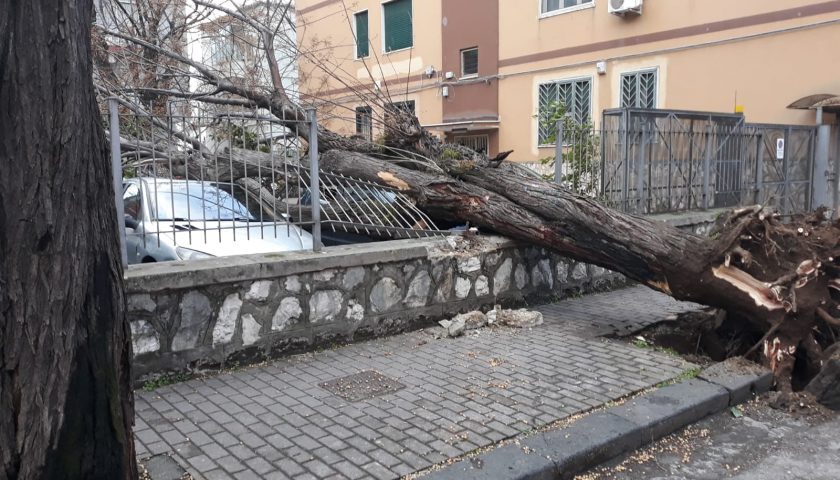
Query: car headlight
190, 254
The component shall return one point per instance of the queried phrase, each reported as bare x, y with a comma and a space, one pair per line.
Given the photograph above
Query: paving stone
202, 463
290, 468
214, 451
242, 452
378, 471
231, 464
259, 465
348, 470
318, 468
218, 475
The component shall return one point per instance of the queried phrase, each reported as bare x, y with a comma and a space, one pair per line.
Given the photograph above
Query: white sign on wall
780, 148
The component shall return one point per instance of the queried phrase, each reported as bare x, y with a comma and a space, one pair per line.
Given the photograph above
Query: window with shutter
574, 95
399, 32
362, 41
469, 62
638, 89
364, 122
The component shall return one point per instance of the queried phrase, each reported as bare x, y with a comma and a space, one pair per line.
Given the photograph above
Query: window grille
364, 122
478, 143
575, 95
638, 89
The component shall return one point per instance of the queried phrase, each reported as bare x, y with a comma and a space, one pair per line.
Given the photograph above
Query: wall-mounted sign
780, 148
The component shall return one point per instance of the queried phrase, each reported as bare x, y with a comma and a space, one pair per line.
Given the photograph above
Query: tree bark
774, 278
66, 406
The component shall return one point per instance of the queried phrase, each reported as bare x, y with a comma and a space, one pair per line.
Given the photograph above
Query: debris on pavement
460, 324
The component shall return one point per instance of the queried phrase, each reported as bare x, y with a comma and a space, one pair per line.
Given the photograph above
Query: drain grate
362, 386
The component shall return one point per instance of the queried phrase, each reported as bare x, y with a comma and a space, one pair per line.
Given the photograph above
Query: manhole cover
362, 386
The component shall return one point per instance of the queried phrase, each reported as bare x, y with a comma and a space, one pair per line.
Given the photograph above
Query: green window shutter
399, 33
362, 42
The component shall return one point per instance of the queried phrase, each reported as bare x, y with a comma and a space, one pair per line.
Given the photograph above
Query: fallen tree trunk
772, 277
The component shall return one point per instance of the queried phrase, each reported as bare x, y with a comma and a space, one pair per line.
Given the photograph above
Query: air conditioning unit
625, 7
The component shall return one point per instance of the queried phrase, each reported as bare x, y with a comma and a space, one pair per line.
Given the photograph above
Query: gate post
707, 165
786, 202
314, 183
558, 153
116, 171
822, 180
759, 168
640, 171
625, 116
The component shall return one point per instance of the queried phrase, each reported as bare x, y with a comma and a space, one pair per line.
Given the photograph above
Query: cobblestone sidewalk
429, 400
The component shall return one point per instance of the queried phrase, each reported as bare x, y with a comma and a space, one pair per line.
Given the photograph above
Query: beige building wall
709, 55
325, 29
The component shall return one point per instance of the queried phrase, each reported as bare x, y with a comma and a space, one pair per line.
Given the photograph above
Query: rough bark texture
66, 408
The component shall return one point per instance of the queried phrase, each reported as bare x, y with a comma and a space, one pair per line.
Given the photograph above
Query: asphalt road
762, 444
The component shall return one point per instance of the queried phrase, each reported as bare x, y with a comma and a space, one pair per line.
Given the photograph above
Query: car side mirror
131, 223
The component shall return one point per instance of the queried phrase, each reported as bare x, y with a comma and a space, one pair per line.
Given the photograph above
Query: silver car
186, 219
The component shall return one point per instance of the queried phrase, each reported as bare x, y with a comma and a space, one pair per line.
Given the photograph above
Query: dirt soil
754, 442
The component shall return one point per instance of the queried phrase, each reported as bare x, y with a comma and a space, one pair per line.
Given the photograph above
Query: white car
186, 219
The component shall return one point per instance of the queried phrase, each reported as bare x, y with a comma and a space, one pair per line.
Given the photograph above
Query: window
407, 106
396, 17
364, 122
469, 62
478, 143
131, 201
557, 6
638, 89
362, 41
392, 108
574, 95
194, 201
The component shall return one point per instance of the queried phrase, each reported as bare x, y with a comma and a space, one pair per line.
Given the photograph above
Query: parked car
186, 219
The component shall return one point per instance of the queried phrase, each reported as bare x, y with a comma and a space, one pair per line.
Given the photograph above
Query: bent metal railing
199, 177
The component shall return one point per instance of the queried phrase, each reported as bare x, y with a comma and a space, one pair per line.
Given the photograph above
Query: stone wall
222, 312
226, 311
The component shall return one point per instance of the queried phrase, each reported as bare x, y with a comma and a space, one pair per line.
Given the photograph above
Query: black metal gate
656, 161
781, 160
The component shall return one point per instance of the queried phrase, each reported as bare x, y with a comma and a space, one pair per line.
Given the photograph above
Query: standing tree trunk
66, 406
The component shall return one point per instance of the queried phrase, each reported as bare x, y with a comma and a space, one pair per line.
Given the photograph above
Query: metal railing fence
200, 183
657, 161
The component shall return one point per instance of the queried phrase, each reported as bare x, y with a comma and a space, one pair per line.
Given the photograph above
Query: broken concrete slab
472, 320
521, 318
740, 377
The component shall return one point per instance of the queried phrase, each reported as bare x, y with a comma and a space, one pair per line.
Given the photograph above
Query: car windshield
195, 201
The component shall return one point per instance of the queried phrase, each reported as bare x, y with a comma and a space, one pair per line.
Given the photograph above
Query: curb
605, 434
